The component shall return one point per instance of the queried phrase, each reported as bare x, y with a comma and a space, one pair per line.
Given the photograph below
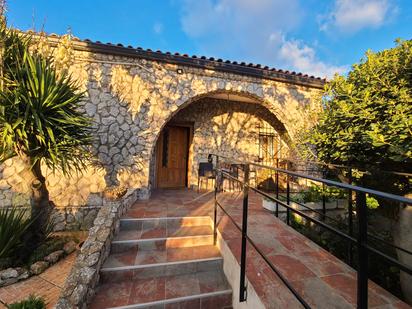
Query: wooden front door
172, 155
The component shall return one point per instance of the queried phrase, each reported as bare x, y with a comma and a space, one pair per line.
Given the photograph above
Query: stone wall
79, 286
130, 100
228, 128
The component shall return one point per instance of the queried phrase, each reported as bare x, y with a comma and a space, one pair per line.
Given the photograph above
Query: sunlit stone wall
130, 100
228, 128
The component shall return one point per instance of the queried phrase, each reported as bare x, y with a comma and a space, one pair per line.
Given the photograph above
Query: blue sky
317, 37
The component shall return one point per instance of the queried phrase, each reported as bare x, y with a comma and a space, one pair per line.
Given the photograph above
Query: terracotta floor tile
128, 235
290, 267
259, 273
204, 252
180, 254
125, 258
276, 296
135, 213
345, 285
295, 244
116, 276
112, 295
147, 290
150, 257
182, 285
319, 295
211, 281
216, 302
157, 232
189, 231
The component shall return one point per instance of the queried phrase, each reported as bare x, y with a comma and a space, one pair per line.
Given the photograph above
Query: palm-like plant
40, 119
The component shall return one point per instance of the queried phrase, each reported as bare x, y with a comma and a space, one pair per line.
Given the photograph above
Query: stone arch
248, 99
276, 113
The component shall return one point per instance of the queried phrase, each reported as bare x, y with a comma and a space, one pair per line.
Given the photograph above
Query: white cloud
353, 15
158, 28
303, 58
253, 30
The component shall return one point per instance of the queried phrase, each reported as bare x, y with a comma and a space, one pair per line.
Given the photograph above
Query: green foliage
14, 223
316, 192
33, 302
367, 117
371, 202
39, 110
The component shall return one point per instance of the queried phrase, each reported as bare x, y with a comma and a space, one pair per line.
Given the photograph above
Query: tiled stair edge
231, 268
175, 300
79, 287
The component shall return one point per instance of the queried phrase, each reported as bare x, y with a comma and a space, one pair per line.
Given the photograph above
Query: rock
91, 109
69, 247
38, 267
9, 273
54, 256
24, 275
70, 218
59, 227
78, 294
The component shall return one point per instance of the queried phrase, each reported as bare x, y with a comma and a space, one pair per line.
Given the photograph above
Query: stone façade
132, 94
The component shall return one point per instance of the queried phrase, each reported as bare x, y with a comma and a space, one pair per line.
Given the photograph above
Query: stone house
157, 115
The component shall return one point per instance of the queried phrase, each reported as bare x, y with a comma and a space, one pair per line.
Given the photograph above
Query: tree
367, 116
367, 123
40, 121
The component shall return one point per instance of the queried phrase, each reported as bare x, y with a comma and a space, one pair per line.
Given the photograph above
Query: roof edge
252, 70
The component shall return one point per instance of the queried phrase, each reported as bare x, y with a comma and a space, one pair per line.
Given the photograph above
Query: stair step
137, 256
161, 243
137, 263
144, 271
160, 229
207, 289
159, 237
133, 224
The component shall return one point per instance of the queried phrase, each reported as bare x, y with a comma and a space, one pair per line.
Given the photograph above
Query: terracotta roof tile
200, 61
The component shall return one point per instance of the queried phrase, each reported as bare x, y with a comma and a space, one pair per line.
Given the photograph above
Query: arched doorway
230, 125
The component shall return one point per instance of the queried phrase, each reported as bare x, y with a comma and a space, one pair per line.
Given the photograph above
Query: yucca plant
40, 120
14, 223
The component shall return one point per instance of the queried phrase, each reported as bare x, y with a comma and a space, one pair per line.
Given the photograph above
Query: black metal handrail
377, 238
398, 173
360, 240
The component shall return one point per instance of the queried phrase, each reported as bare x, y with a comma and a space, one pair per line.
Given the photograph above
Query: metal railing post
362, 275
323, 197
215, 210
350, 219
242, 290
287, 200
277, 188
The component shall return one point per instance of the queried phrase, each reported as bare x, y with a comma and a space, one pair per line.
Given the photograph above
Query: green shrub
13, 224
315, 193
33, 302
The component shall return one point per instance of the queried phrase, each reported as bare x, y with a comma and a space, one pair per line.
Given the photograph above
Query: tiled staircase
167, 262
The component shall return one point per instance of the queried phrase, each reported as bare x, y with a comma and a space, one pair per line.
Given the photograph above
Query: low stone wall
79, 287
74, 218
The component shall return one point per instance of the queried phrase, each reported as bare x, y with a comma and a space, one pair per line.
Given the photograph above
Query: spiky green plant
40, 120
33, 302
14, 223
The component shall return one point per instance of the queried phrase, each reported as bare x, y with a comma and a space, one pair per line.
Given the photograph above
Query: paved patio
47, 285
322, 280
